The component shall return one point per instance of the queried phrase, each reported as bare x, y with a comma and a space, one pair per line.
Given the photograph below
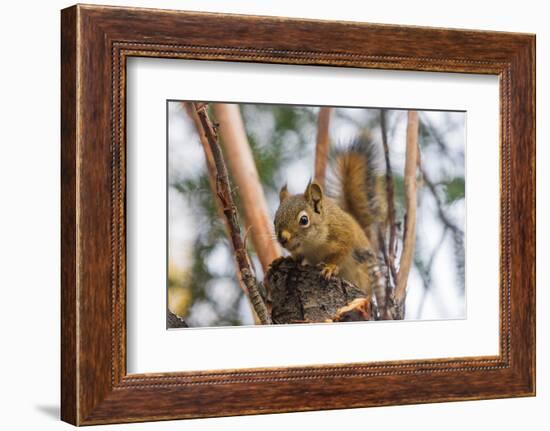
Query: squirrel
339, 233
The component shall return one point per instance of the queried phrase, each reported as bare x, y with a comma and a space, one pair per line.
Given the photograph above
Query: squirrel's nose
283, 237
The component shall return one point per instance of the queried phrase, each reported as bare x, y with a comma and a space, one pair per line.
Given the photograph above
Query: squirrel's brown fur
357, 185
339, 234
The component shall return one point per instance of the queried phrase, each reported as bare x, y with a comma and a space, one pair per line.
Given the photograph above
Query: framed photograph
266, 215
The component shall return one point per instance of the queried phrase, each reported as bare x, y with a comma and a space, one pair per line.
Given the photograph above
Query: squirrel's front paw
329, 269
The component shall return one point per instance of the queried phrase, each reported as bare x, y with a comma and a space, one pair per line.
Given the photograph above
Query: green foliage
454, 189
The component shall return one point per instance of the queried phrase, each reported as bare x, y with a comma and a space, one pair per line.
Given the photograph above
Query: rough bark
174, 321
230, 211
301, 295
212, 173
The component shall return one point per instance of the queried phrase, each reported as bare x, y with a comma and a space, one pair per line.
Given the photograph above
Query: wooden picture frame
95, 43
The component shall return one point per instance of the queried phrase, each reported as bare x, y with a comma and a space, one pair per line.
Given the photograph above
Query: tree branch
392, 247
230, 212
322, 145
210, 165
457, 232
435, 135
409, 238
440, 211
211, 168
243, 171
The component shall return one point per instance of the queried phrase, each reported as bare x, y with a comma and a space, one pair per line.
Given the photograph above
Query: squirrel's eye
303, 219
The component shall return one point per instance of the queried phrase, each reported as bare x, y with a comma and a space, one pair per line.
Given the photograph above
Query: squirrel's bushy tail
357, 183
360, 191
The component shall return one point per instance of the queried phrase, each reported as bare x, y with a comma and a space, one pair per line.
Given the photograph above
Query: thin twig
322, 145
457, 232
391, 252
439, 203
230, 212
434, 135
425, 272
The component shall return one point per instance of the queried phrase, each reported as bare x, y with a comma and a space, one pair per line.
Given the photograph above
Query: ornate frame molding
96, 41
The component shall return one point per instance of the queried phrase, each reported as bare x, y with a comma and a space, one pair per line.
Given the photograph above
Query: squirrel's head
298, 220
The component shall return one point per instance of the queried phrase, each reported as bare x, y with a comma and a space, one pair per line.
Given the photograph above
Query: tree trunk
299, 294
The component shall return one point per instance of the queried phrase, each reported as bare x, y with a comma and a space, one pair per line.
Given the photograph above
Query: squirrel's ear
283, 194
314, 195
